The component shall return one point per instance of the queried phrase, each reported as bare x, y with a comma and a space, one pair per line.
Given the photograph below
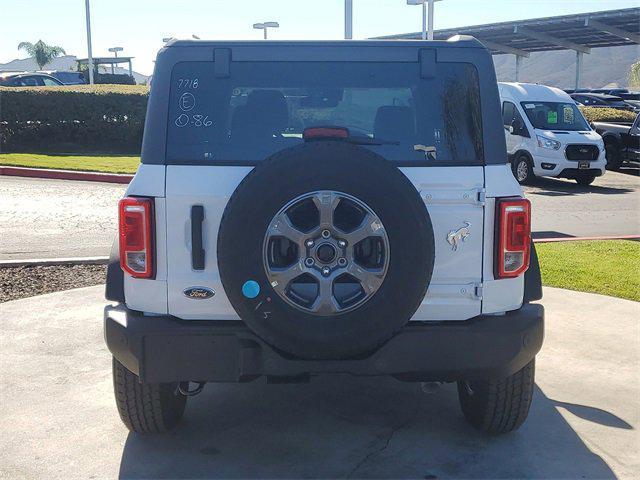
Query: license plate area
583, 164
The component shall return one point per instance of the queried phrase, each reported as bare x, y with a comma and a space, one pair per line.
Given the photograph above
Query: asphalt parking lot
43, 218
59, 418
77, 219
608, 207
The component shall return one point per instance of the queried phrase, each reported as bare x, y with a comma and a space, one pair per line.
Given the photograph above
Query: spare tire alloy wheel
325, 250
333, 266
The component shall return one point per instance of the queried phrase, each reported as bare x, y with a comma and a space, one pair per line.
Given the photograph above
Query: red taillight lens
312, 133
135, 219
513, 237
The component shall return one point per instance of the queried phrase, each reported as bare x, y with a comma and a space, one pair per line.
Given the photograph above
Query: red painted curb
576, 239
65, 174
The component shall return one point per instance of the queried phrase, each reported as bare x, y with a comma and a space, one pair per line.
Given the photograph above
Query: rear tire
498, 406
585, 181
146, 407
523, 170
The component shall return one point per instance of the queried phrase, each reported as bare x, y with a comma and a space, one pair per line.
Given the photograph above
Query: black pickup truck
621, 142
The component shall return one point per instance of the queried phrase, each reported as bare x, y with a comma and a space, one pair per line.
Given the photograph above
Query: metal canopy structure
579, 32
107, 61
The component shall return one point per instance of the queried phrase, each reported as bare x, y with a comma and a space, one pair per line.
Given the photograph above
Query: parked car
630, 96
621, 142
67, 77
547, 135
579, 90
635, 104
601, 100
28, 79
610, 91
295, 202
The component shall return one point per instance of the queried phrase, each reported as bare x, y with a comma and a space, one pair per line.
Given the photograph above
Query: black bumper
166, 349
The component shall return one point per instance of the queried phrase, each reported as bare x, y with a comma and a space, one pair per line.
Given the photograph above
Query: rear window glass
264, 107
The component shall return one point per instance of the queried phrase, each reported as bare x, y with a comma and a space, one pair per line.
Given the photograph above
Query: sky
140, 25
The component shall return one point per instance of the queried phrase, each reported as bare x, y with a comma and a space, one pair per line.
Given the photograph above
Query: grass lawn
91, 163
609, 267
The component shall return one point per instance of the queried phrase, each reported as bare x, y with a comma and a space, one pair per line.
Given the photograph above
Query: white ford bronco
309, 208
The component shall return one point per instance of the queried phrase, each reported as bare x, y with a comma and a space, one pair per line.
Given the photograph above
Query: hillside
602, 67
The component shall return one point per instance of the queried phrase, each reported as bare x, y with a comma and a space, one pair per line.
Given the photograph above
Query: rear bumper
166, 349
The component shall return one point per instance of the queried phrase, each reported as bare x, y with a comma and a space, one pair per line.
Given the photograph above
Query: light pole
424, 4
264, 26
348, 19
115, 51
90, 55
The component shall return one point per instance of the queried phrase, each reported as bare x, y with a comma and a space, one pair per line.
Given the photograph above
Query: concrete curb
65, 174
577, 239
43, 262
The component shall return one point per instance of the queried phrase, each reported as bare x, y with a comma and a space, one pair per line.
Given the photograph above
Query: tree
41, 52
634, 75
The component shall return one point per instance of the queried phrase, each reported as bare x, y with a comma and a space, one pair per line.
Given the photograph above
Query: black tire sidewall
342, 168
585, 180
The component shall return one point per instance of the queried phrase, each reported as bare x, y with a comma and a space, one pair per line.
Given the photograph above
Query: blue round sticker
251, 289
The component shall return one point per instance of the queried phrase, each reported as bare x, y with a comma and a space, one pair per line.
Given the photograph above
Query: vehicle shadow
555, 187
345, 427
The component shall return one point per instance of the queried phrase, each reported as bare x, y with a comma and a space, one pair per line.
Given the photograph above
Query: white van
547, 135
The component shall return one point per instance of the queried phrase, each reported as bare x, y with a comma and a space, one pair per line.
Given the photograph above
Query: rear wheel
146, 407
498, 406
523, 170
585, 180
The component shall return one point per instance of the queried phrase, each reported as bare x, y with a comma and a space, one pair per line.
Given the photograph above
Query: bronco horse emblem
454, 237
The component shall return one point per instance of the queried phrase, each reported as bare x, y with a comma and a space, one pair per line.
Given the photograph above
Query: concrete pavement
59, 418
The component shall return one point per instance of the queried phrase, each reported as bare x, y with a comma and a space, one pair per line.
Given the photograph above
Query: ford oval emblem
198, 293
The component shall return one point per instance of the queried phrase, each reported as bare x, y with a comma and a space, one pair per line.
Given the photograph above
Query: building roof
579, 32
105, 60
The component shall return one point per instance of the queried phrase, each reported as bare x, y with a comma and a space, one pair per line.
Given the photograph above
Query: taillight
322, 133
513, 221
135, 220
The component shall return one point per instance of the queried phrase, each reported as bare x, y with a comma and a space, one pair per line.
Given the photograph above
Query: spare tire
325, 250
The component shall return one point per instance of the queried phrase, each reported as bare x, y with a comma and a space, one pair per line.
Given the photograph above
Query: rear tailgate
453, 196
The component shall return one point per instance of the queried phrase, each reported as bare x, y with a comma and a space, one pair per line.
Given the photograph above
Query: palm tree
41, 52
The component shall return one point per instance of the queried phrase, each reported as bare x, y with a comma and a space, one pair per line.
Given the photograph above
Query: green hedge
597, 114
102, 118
110, 78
